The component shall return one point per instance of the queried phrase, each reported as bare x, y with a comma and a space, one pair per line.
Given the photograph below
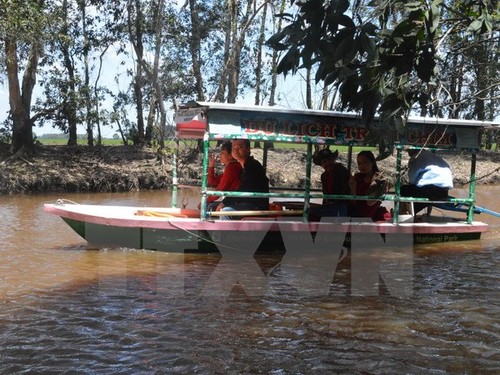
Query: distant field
81, 142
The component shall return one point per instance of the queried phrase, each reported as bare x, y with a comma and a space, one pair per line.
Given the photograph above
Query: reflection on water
65, 308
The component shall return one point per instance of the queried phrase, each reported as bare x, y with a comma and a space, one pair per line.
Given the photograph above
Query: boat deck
172, 218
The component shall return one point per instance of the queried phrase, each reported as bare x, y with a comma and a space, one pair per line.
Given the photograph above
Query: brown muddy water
65, 309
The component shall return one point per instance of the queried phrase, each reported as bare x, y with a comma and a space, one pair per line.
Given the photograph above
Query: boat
286, 225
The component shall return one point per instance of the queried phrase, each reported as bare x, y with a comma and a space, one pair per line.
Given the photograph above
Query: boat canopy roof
231, 121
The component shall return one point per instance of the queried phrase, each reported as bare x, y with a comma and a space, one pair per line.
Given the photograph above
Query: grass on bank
80, 142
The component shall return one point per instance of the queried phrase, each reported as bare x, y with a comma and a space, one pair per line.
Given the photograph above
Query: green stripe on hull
202, 242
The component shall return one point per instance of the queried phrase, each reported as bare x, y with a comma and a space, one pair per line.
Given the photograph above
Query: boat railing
386, 197
398, 198
218, 121
307, 193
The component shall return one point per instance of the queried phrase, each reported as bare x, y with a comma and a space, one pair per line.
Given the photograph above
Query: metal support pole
472, 189
397, 188
175, 180
204, 177
307, 189
264, 155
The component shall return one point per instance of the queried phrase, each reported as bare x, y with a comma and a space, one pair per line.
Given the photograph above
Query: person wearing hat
334, 180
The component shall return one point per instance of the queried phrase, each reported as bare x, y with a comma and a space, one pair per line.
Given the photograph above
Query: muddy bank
83, 169
129, 168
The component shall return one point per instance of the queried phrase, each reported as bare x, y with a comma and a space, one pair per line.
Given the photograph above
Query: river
65, 309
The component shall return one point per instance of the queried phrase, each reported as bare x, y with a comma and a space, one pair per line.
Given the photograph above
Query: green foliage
5, 134
382, 56
21, 19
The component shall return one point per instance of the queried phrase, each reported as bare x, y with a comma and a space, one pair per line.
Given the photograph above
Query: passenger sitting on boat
252, 179
430, 177
368, 182
229, 180
334, 180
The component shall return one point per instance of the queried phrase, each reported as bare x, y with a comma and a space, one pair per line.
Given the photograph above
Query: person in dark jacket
252, 179
229, 180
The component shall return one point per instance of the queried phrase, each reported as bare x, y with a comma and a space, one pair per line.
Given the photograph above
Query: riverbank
129, 168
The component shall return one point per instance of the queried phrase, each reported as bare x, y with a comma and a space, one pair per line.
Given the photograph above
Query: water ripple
67, 310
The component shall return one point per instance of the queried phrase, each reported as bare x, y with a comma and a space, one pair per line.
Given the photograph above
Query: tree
275, 55
195, 43
70, 74
260, 63
119, 115
220, 35
22, 26
157, 104
240, 22
69, 90
384, 56
135, 25
468, 68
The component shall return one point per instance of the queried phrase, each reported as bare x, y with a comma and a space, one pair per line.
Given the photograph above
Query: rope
61, 201
484, 176
203, 238
341, 258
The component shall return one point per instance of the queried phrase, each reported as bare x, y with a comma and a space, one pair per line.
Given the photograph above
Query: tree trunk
194, 46
156, 103
157, 90
234, 77
482, 78
20, 99
309, 102
258, 68
151, 119
96, 96
221, 89
135, 35
238, 41
69, 106
86, 78
275, 58
239, 29
120, 130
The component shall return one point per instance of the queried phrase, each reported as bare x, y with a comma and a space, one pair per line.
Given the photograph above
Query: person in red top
335, 181
229, 180
360, 184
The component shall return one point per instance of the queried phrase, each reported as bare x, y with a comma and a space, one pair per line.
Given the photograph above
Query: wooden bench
257, 213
